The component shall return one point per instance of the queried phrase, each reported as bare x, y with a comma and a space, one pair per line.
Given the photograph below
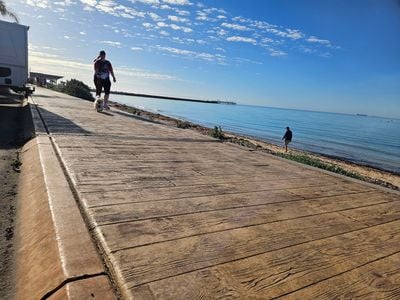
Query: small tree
4, 11
76, 88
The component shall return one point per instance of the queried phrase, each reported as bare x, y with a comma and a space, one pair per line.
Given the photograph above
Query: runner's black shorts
102, 83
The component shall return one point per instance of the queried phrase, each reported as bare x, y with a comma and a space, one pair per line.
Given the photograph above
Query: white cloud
162, 24
84, 71
154, 16
294, 34
115, 9
193, 54
182, 12
313, 39
136, 49
235, 26
36, 48
178, 19
65, 3
89, 2
267, 40
288, 33
222, 32
182, 28
174, 27
202, 16
111, 43
88, 8
240, 19
177, 2
147, 25
246, 60
39, 3
43, 54
241, 39
130, 72
275, 52
151, 2
215, 10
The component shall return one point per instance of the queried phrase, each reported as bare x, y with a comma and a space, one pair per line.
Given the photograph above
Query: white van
14, 56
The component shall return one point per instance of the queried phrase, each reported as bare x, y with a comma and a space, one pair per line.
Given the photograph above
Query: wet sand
366, 173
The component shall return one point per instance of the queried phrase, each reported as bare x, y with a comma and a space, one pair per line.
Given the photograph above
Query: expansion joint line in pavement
40, 116
83, 215
69, 280
338, 274
245, 226
273, 250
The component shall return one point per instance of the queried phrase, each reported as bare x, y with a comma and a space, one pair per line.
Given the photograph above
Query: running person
103, 69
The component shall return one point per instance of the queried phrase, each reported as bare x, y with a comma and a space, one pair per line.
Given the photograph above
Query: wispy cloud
313, 39
113, 8
174, 27
72, 69
193, 54
201, 28
39, 3
241, 39
146, 1
178, 19
154, 16
112, 43
276, 52
178, 2
235, 26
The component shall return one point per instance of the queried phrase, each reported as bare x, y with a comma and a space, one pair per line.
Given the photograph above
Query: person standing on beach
103, 69
287, 137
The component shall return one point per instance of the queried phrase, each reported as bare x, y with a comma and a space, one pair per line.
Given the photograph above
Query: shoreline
339, 165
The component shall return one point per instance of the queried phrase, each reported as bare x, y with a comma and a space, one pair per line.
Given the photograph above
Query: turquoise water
362, 139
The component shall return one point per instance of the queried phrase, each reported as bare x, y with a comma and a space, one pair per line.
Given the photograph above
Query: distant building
41, 79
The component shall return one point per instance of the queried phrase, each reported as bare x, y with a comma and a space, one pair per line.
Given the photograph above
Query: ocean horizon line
218, 101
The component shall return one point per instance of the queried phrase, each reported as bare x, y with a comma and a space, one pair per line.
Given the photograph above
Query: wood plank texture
178, 215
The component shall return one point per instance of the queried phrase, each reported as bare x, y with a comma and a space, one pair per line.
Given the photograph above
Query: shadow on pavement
57, 124
16, 126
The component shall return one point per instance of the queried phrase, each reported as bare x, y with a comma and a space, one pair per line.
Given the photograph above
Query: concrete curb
56, 258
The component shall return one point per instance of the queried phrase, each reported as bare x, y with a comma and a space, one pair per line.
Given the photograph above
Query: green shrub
74, 88
304, 159
216, 132
78, 89
182, 124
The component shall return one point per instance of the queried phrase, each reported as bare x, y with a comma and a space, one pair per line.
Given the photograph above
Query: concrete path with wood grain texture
178, 215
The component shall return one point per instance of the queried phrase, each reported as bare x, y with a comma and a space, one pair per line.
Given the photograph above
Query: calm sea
362, 139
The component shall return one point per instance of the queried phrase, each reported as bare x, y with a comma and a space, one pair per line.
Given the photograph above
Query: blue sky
324, 55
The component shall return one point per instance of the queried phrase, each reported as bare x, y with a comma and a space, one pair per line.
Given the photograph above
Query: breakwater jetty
171, 98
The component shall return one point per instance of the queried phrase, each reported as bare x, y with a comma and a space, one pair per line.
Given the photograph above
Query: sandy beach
365, 173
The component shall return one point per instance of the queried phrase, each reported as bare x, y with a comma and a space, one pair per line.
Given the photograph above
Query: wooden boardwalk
178, 215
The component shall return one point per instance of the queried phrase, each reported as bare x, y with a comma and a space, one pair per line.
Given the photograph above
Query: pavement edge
55, 255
